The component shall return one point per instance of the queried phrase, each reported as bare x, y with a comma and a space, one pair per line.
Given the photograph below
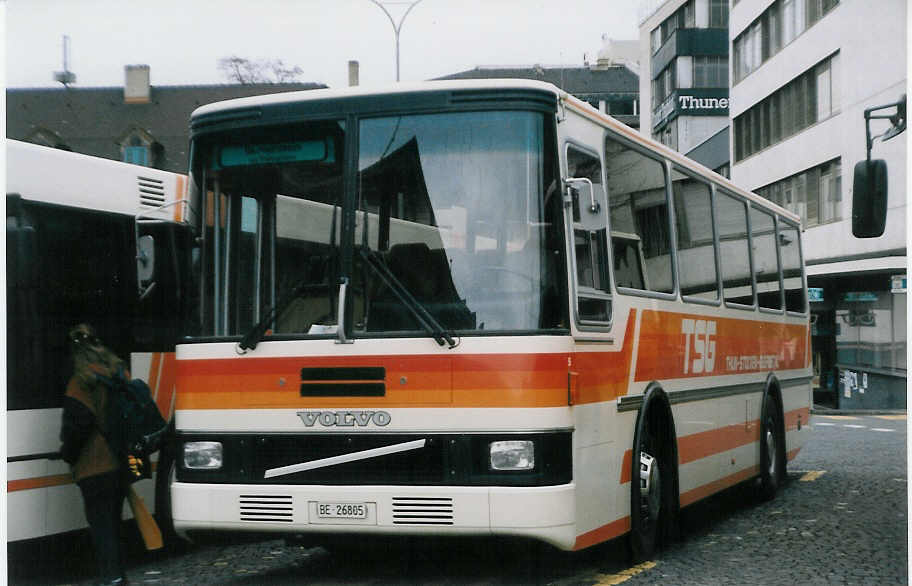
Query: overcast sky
182, 40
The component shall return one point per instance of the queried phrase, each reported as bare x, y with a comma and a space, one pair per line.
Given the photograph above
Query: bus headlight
513, 455
203, 455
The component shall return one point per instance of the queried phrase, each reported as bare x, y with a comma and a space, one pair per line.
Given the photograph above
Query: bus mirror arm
594, 206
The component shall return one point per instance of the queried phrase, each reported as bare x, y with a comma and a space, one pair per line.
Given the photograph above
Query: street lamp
396, 27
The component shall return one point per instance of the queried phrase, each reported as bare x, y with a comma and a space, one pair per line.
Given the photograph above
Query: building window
814, 194
779, 25
718, 13
139, 148
682, 18
810, 98
664, 84
871, 329
710, 71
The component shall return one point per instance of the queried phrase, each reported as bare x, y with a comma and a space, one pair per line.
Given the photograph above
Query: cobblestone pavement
841, 518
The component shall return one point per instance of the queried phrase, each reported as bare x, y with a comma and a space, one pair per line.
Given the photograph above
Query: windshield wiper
433, 327
257, 332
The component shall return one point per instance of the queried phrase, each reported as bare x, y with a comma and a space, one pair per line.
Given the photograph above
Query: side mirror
145, 264
869, 199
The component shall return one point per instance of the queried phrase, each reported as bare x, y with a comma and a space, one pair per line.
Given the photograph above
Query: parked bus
74, 228
474, 308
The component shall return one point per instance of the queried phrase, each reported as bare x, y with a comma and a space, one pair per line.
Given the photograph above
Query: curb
824, 410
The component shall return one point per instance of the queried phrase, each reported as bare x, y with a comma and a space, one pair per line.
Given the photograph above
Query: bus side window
766, 262
695, 229
593, 301
86, 274
23, 349
790, 254
734, 251
639, 206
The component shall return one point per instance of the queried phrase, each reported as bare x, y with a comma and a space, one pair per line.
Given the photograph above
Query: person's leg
100, 495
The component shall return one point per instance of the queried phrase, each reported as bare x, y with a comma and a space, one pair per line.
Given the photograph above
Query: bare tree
248, 71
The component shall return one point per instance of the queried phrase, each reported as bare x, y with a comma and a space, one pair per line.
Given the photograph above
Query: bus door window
734, 250
590, 246
766, 261
789, 241
638, 205
695, 229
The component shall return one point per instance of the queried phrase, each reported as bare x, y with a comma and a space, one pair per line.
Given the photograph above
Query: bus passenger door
589, 213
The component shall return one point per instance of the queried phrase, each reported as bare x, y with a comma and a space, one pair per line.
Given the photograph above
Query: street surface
841, 518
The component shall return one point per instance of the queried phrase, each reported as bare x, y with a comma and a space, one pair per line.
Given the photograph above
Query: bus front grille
260, 508
422, 511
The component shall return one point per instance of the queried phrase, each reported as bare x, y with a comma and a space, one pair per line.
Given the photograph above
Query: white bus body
616, 332
71, 258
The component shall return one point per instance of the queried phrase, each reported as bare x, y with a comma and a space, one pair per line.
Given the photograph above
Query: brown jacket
84, 410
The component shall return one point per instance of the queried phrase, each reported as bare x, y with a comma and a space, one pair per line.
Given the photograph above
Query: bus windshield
451, 228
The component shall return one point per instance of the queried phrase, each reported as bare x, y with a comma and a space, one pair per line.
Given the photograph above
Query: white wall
871, 72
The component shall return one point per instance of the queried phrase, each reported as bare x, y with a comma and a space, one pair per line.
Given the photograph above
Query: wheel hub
650, 485
771, 450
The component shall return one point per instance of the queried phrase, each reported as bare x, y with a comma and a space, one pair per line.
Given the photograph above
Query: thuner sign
692, 103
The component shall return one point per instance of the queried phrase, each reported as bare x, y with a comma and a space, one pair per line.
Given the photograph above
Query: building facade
803, 72
137, 123
684, 84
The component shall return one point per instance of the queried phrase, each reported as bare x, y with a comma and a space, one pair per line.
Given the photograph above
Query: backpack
135, 427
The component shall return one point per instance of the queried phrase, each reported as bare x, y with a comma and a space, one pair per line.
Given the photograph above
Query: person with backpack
101, 475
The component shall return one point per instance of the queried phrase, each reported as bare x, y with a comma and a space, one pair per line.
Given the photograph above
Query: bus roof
379, 90
55, 176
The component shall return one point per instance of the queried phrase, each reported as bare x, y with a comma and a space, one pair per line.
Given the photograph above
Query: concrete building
684, 81
803, 72
138, 123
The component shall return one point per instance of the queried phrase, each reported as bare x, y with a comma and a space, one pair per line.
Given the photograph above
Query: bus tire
163, 477
772, 447
653, 490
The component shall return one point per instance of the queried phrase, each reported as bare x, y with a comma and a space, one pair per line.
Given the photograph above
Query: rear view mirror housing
869, 199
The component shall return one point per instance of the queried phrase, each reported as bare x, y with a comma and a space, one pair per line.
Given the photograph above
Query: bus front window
454, 207
272, 255
456, 228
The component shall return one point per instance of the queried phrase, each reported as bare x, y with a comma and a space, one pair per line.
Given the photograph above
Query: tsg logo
345, 418
702, 333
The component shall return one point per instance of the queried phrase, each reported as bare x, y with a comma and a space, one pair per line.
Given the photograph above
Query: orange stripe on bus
714, 441
668, 349
153, 373
166, 384
514, 380
47, 481
627, 467
701, 492
40, 482
792, 417
603, 533
604, 376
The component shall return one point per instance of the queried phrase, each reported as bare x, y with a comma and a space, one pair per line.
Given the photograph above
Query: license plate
342, 510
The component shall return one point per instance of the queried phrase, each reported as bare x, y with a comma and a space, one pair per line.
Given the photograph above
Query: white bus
72, 224
474, 308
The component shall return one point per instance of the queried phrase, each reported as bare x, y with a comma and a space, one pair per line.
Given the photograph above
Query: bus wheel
647, 493
772, 449
164, 476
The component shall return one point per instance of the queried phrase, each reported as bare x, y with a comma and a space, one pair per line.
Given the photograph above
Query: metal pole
396, 27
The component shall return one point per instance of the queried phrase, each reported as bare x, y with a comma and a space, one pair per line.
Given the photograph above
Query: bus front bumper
545, 513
